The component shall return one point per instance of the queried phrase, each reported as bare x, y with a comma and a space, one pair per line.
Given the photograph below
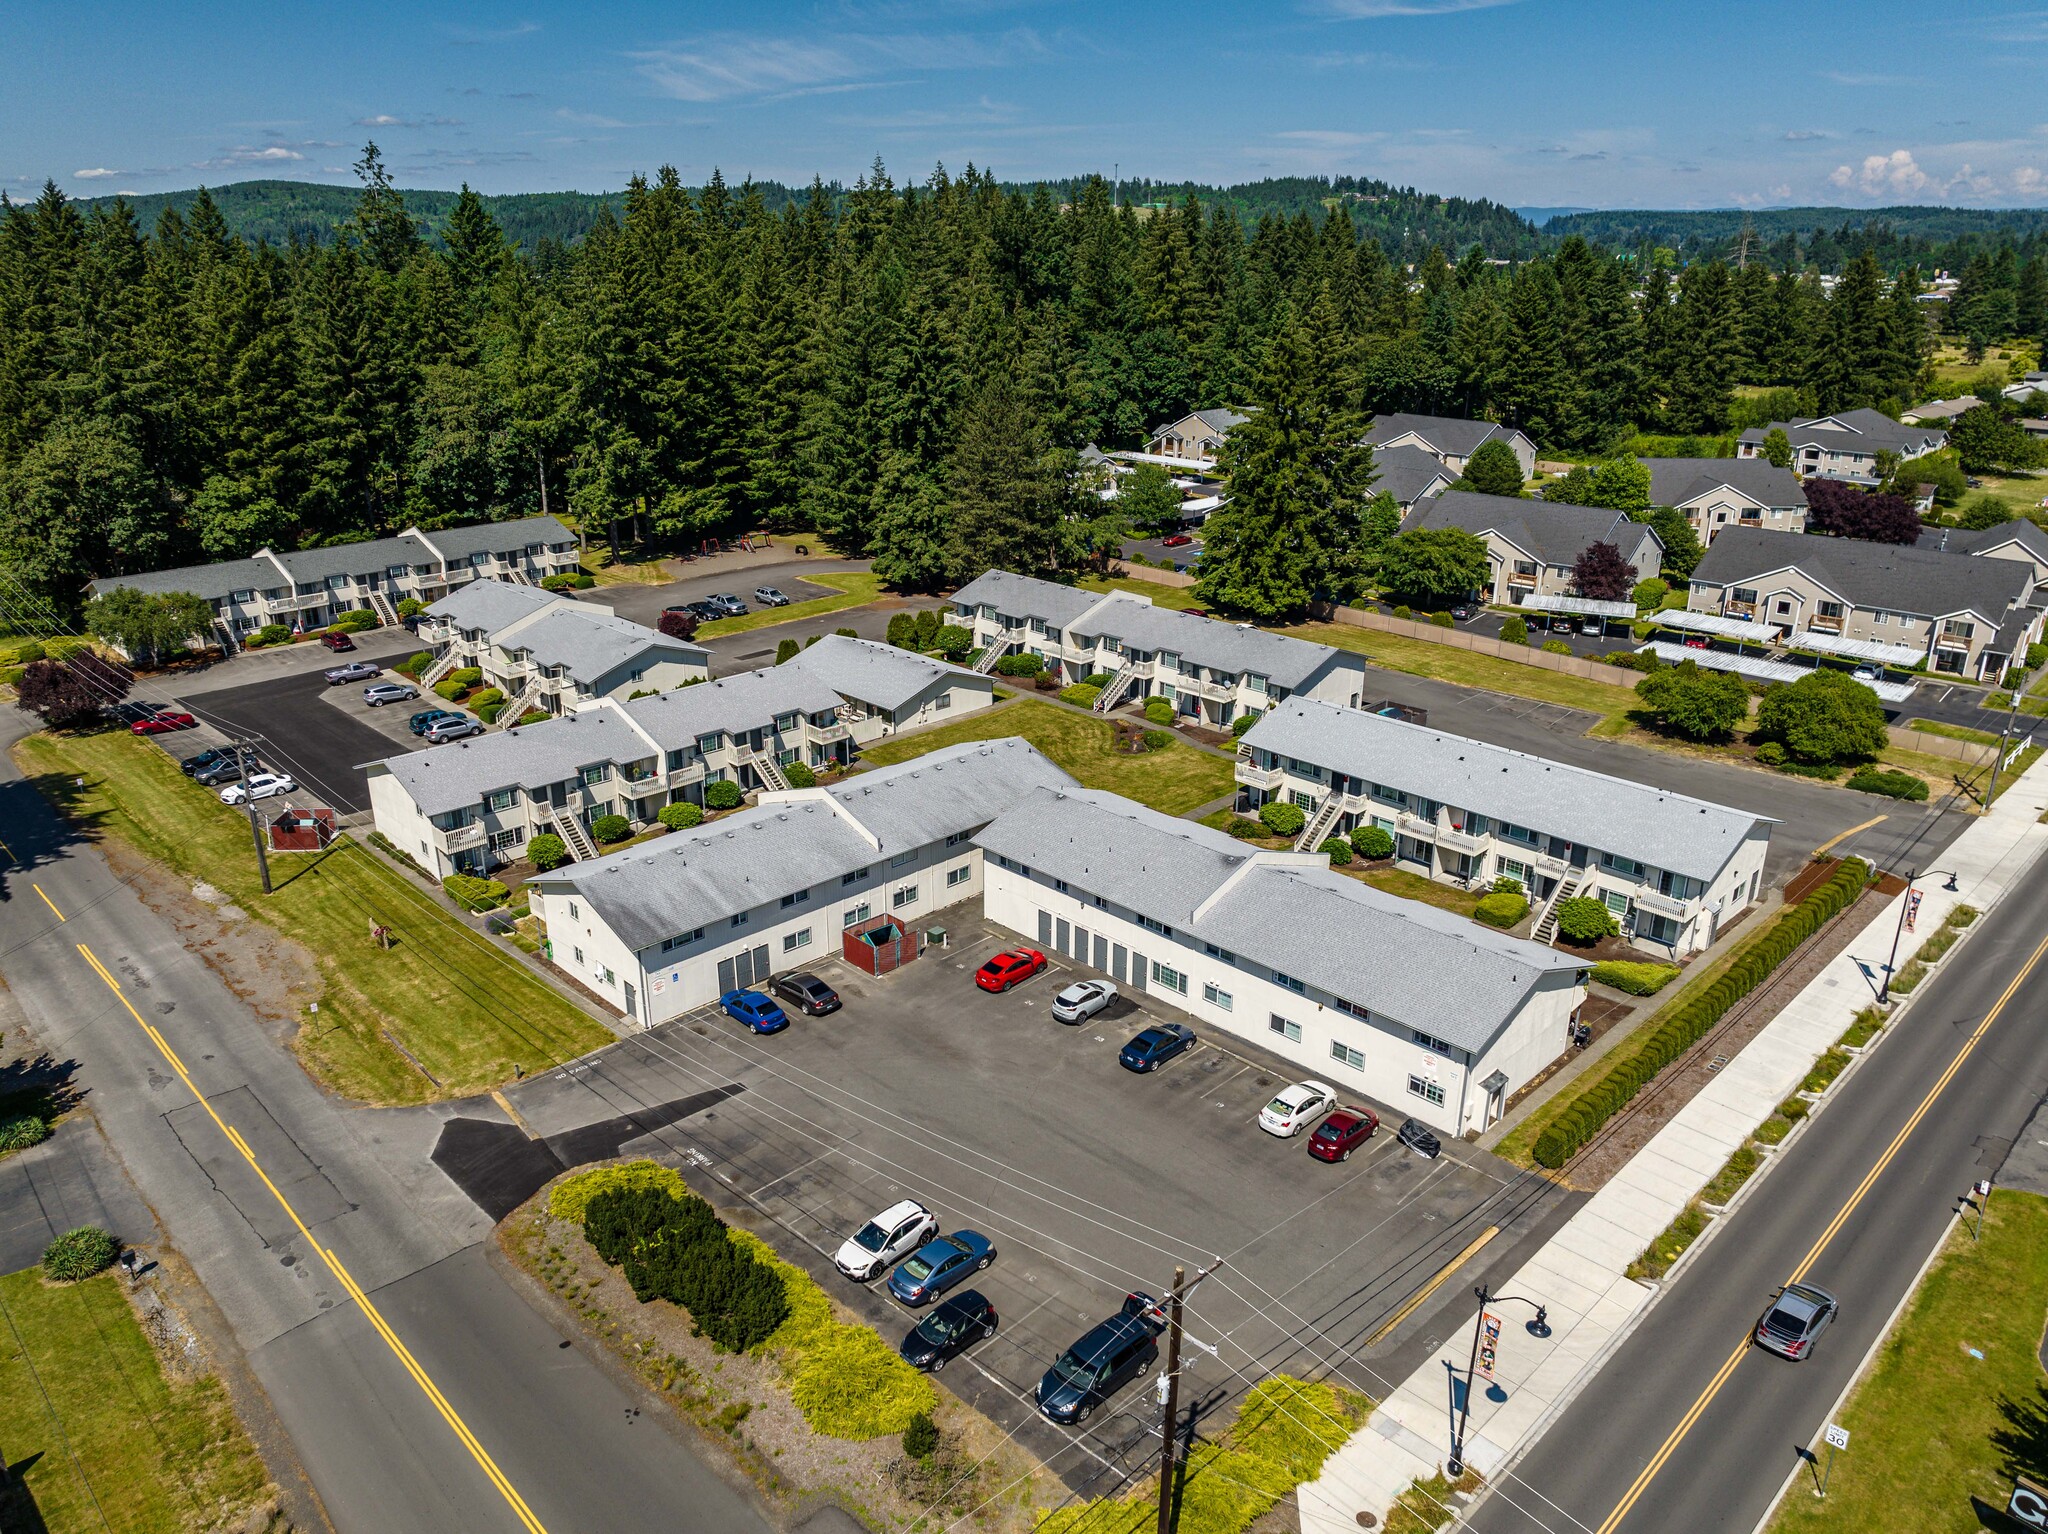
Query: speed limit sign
2028, 1505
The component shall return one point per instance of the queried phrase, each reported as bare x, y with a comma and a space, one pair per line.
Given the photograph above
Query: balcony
1459, 841
826, 734
1252, 775
1415, 825
1732, 609
1661, 905
1823, 625
471, 835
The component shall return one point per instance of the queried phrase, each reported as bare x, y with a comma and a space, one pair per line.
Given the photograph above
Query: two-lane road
1687, 1426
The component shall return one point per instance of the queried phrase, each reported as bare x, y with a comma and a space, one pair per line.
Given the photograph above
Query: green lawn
1174, 780
108, 1443
857, 588
1953, 731
1179, 598
467, 1009
1469, 668
1445, 897
1932, 1426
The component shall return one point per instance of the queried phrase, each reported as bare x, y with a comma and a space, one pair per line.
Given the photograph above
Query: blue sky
1530, 102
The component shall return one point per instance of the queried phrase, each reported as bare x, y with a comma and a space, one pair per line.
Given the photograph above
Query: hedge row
473, 893
1635, 979
676, 1249
1691, 1015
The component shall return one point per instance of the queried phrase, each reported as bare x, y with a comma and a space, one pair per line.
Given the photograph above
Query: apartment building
674, 923
1967, 614
1451, 440
310, 588
1717, 493
1409, 475
2021, 539
1845, 445
1392, 1000
1197, 436
1672, 869
1532, 546
1209, 670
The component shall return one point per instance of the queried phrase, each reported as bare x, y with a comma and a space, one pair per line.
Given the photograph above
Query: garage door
1045, 929
747, 967
1101, 951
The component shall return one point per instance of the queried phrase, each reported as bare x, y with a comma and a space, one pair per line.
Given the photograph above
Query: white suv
896, 1232
262, 786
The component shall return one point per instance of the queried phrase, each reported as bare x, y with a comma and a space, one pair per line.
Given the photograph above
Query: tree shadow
34, 834
39, 1085
2023, 1437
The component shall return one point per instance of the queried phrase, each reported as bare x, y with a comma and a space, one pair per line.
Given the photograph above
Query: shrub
799, 775
1771, 754
680, 817
448, 688
1506, 884
786, 649
851, 1384
1962, 916
1097, 679
1501, 910
1826, 772
1555, 647
466, 676
1729, 1180
845, 633
1081, 694
902, 633
547, 851
29, 650
1404, 612
927, 624
921, 1437
572, 1195
1650, 593
1868, 1025
354, 621
488, 712
1243, 829
1282, 819
1016, 665
1825, 1070
474, 894
1514, 631
1245, 721
557, 582
1635, 979
676, 1249
1338, 850
723, 795
1442, 620
1583, 920
486, 696
1158, 711
1891, 784
610, 828
269, 634
1157, 740
414, 664
2037, 656
79, 1254
1373, 842
20, 1131
2014, 679
1825, 716
410, 607
953, 641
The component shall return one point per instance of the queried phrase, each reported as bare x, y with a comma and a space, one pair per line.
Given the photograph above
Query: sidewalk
1581, 1272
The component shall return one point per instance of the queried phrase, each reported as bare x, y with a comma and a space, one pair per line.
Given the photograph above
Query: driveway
320, 735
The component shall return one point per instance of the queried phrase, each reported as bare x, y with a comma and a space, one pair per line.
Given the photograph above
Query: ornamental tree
1847, 512
1601, 574
1778, 448
1434, 564
1826, 716
1691, 701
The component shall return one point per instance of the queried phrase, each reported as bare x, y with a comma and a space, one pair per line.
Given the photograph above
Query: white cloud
387, 120
1368, 10
1881, 174
1805, 135
1326, 138
1843, 77
727, 65
2028, 181
97, 173
470, 37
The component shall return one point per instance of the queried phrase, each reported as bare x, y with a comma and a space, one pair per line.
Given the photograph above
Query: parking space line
1415, 1300
786, 1176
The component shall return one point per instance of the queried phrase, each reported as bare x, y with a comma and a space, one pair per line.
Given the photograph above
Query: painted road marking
399, 1350
1813, 1254
47, 900
1836, 841
1414, 1301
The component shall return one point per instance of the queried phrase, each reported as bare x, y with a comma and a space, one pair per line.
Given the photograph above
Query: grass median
1174, 779
856, 588
1469, 668
94, 1433
466, 1010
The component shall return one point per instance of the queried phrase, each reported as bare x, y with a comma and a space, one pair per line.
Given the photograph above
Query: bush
20, 1131
1514, 631
610, 828
1338, 851
1501, 910
786, 649
1244, 830
921, 1437
571, 1197
1015, 665
488, 712
466, 676
1373, 842
448, 688
486, 696
1158, 711
547, 851
680, 817
1404, 612
1771, 754
799, 775
410, 607
1443, 620
1506, 884
1650, 593
1584, 920
676, 1249
1635, 979
1891, 784
79, 1254
953, 641
1825, 1070
414, 664
354, 621
1245, 721
2037, 656
474, 894
1157, 740
723, 795
902, 633
1694, 702
1081, 694
1097, 679
29, 650
1555, 647
1282, 819
2014, 679
1824, 717
557, 582
269, 634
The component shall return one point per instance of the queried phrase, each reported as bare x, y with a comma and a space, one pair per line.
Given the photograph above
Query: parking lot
1091, 1181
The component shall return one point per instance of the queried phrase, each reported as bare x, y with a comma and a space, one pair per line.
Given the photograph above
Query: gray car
389, 692
1795, 1318
354, 671
451, 729
768, 596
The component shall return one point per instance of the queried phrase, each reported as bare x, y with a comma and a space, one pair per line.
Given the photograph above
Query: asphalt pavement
1689, 1427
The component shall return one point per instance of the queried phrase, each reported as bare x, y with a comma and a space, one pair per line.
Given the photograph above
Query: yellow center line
8, 850
391, 1339
1414, 1300
46, 900
1685, 1424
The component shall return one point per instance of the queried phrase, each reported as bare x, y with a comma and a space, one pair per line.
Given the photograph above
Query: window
1152, 926
957, 838
682, 940
607, 975
1289, 981
1344, 1054
1216, 996
1615, 901
792, 941
1288, 1031
1219, 953
1622, 865
1172, 979
1514, 868
943, 700
1428, 1091
906, 895
853, 878
958, 875
1353, 1008
1430, 1041
574, 914
1515, 833
510, 837
903, 857
599, 774
739, 921
855, 914
1658, 929
797, 899
579, 955
503, 799
1060, 885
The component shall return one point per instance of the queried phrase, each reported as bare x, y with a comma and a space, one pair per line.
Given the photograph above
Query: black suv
813, 996
219, 756
1102, 1362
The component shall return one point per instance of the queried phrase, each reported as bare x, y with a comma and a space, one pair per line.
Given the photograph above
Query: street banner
1489, 1343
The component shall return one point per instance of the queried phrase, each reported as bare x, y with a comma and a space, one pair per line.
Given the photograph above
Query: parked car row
220, 765
927, 1264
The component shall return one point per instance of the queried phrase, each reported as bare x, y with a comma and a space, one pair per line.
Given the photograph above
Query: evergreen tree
1706, 353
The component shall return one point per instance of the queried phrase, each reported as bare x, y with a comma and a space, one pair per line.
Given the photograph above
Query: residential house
1715, 493
1967, 615
1532, 546
1451, 440
1845, 445
1672, 869
1409, 475
1197, 436
1209, 670
310, 588
1940, 411
1393, 1000
673, 923
2019, 539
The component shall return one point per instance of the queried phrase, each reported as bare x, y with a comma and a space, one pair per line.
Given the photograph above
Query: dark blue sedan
755, 1010
939, 1264
1155, 1046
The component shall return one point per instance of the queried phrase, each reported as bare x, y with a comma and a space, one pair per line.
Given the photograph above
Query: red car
337, 641
1696, 643
1342, 1133
162, 722
1006, 969
1175, 541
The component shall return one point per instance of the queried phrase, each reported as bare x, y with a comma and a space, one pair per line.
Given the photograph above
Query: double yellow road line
391, 1338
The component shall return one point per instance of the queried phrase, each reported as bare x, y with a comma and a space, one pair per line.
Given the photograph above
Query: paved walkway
1581, 1273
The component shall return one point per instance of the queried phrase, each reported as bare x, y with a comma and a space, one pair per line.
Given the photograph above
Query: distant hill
1541, 216
1686, 232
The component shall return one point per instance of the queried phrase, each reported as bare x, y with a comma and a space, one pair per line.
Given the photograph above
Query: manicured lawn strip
1932, 1427
1468, 668
857, 588
1179, 598
113, 1436
1173, 781
464, 1008
1954, 731
651, 571
1445, 897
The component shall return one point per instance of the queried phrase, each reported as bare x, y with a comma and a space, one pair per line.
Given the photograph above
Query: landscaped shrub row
580, 581
1636, 979
1020, 665
1892, 785
474, 894
1502, 908
676, 1249
1825, 1070
1081, 694
1691, 1015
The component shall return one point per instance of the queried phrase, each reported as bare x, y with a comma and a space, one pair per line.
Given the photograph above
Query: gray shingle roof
1453, 436
748, 700
797, 841
444, 778
1871, 575
1666, 830
1406, 473
372, 556
1980, 541
499, 537
1207, 641
1026, 596
491, 605
880, 674
589, 644
1861, 431
1548, 531
1222, 418
1454, 978
1675, 481
212, 582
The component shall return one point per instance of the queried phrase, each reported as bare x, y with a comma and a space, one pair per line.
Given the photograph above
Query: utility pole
1169, 1424
244, 761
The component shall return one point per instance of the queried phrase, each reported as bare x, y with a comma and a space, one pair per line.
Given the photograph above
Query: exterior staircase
1318, 828
1546, 924
448, 662
986, 662
769, 769
574, 837
1114, 693
518, 576
380, 604
516, 706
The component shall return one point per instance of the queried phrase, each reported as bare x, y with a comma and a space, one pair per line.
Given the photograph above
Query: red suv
1342, 1133
337, 642
1006, 969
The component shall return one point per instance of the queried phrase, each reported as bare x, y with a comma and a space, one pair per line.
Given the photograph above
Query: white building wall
402, 824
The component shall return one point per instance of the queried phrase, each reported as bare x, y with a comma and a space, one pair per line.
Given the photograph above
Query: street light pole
1540, 1327
1884, 991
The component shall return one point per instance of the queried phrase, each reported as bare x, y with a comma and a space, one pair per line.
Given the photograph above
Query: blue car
1155, 1046
939, 1264
755, 1010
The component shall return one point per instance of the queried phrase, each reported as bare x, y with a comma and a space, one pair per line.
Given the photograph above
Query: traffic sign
1838, 1437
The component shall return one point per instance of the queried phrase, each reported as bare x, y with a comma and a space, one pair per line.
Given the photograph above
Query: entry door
1045, 929
728, 976
631, 1010
1102, 951
1080, 948
1060, 939
1116, 967
1137, 970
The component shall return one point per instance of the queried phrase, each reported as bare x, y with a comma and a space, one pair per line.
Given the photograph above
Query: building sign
1489, 1343
2028, 1505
